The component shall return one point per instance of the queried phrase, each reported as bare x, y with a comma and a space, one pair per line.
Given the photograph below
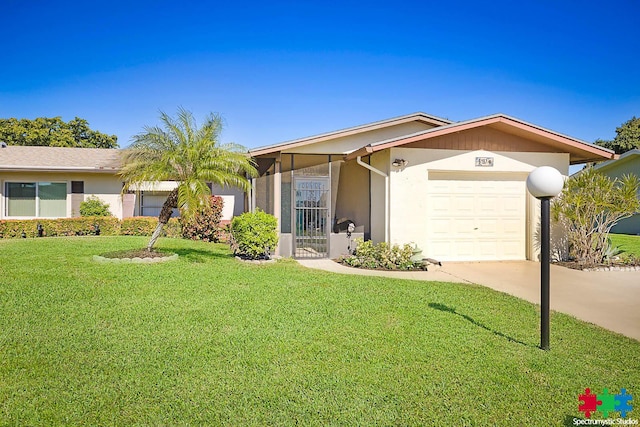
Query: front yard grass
208, 340
627, 243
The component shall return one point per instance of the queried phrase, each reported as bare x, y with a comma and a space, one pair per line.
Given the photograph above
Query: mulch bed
137, 253
591, 267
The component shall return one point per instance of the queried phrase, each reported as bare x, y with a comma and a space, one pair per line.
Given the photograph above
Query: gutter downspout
386, 194
252, 195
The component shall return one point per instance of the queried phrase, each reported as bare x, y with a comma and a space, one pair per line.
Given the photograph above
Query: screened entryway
312, 217
310, 194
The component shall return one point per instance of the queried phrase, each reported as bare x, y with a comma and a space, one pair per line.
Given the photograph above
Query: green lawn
627, 243
208, 340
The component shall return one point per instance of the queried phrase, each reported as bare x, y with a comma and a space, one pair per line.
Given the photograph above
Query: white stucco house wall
455, 189
51, 182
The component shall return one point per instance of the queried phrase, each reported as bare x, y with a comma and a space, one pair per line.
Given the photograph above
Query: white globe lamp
544, 183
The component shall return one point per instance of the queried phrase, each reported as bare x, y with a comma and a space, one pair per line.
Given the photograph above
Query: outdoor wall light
398, 163
544, 183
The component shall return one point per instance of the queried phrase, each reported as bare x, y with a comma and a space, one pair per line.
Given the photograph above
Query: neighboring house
456, 190
627, 163
51, 182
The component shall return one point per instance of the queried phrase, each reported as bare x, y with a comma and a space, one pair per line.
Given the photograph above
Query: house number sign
484, 162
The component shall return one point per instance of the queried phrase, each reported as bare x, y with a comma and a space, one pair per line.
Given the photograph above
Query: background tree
627, 137
191, 156
589, 205
54, 132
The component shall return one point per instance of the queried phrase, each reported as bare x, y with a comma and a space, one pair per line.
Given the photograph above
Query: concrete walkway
610, 299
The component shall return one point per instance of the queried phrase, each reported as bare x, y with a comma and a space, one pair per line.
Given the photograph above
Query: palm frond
190, 155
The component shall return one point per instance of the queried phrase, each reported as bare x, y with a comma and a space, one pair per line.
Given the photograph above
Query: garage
476, 216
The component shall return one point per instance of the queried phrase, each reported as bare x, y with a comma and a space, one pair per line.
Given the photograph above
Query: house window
77, 187
151, 203
37, 199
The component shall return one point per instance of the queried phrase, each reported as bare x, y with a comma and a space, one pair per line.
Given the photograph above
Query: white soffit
155, 186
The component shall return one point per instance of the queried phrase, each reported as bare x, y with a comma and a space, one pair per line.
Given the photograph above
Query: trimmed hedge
138, 226
82, 226
144, 226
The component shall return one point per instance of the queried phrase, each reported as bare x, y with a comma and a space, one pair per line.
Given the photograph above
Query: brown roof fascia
598, 153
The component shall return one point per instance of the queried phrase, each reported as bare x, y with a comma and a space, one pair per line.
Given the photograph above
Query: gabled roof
579, 151
419, 117
624, 157
20, 158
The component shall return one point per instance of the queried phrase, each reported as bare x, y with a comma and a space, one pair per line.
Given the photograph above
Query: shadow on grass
197, 255
447, 309
188, 254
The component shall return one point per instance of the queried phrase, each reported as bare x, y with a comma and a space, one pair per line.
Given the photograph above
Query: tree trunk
165, 215
155, 235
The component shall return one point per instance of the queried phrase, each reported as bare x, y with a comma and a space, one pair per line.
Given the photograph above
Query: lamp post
544, 183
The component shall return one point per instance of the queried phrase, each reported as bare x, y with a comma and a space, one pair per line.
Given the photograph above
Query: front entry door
311, 217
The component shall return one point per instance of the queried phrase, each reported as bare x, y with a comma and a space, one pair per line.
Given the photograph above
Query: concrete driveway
610, 299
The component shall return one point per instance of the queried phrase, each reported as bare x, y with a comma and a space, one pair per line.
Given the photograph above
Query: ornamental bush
93, 206
381, 256
590, 204
254, 234
205, 223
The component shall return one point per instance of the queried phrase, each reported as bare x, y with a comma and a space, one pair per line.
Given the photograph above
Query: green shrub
109, 226
205, 223
173, 228
138, 226
254, 234
145, 225
93, 206
83, 226
589, 205
381, 256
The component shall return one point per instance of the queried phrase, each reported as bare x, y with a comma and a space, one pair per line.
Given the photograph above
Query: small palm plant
191, 156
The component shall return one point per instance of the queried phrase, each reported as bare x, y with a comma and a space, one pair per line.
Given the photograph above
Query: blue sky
283, 70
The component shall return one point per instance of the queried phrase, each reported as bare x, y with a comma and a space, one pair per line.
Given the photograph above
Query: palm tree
188, 155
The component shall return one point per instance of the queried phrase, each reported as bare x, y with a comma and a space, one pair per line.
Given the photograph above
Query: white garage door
476, 217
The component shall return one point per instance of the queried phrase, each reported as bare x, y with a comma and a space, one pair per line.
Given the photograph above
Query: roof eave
8, 168
364, 151
437, 121
620, 158
590, 153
